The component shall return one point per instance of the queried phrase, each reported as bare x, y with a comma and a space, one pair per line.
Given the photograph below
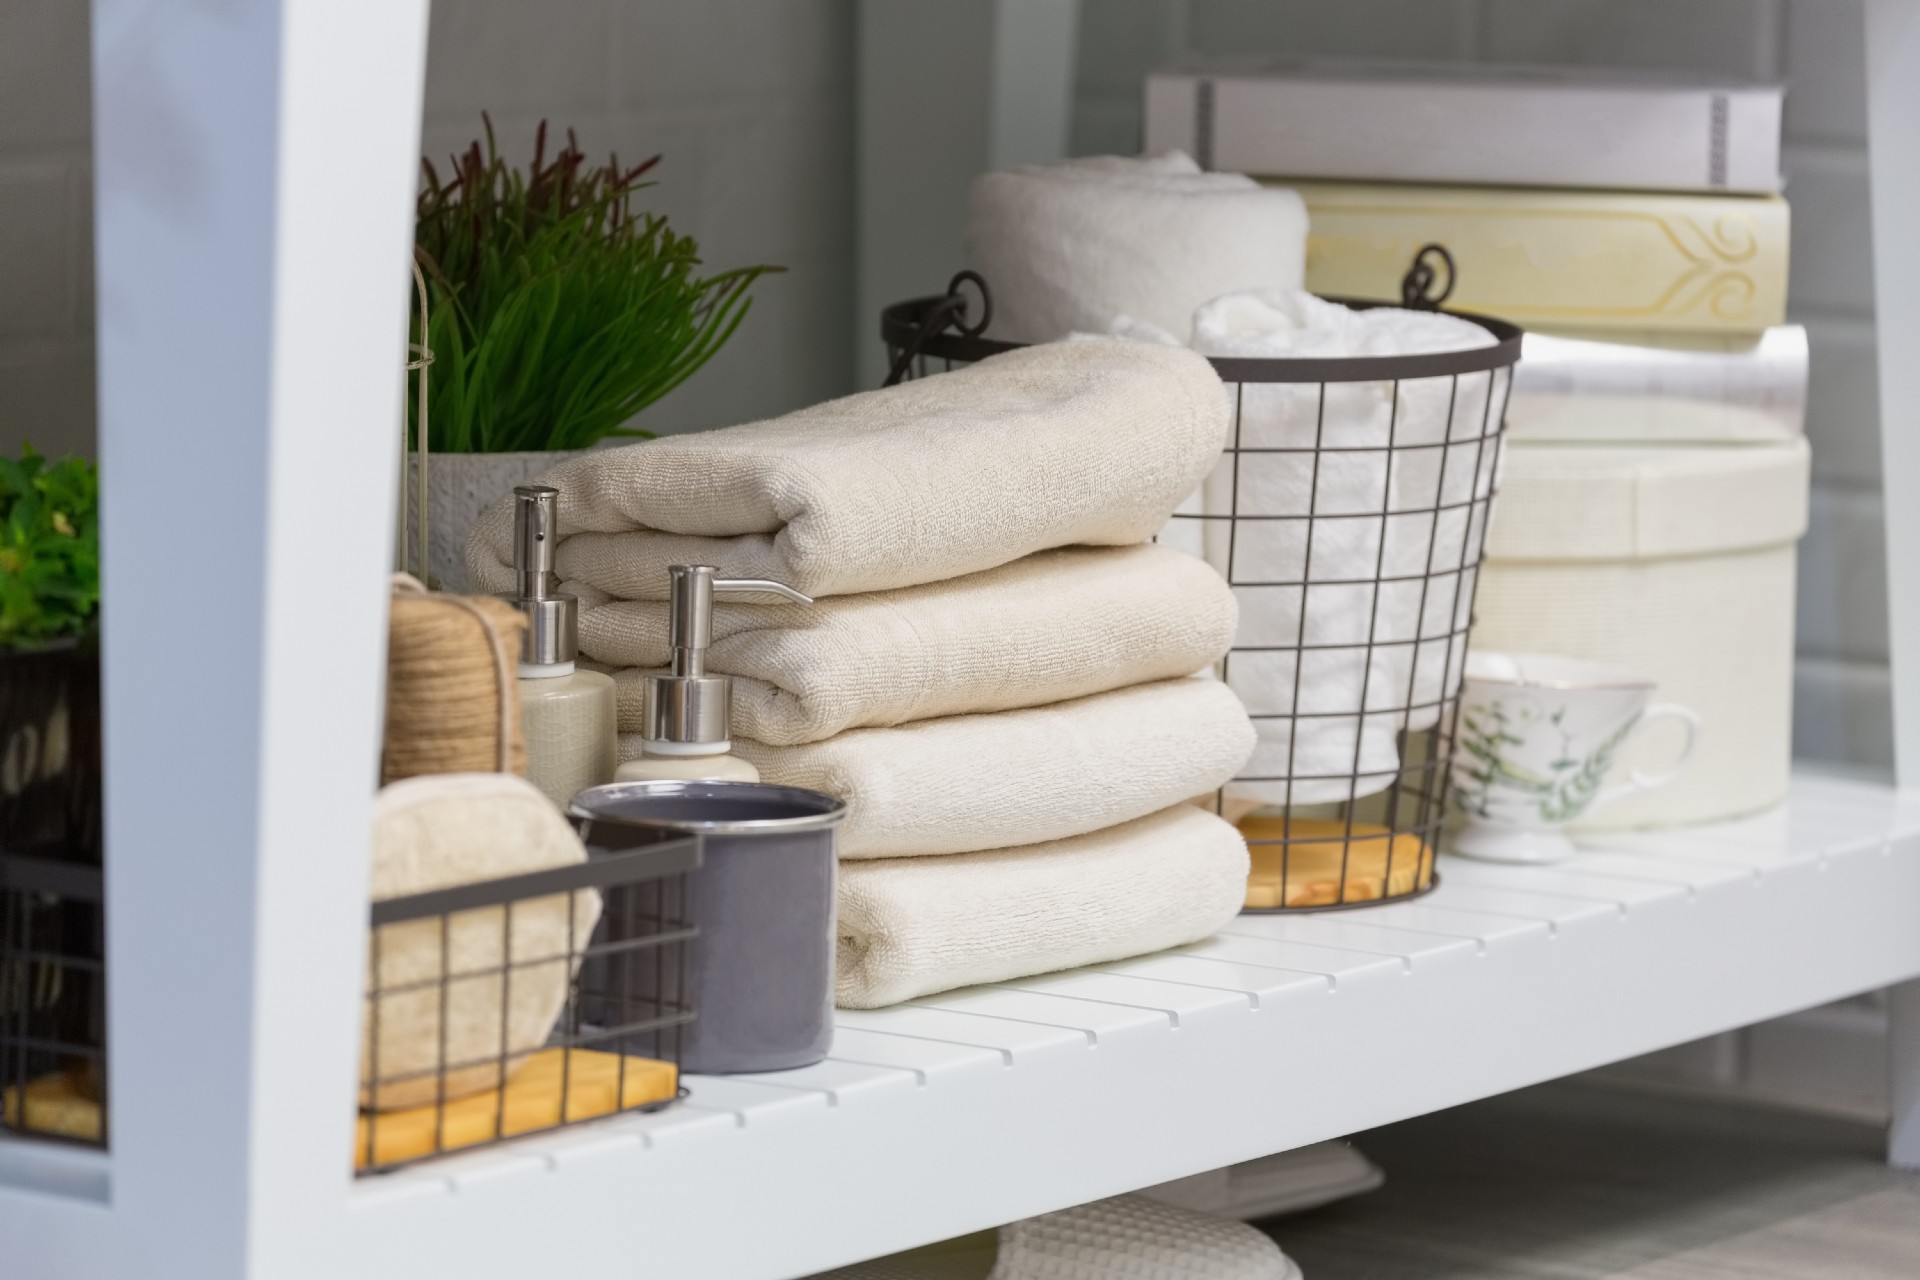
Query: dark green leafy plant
49, 548
557, 313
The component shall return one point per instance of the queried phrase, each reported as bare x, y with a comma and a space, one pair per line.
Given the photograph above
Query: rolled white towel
1073, 246
913, 926
1017, 777
1054, 626
1068, 444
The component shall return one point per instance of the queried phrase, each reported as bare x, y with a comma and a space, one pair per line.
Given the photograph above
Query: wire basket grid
521, 1005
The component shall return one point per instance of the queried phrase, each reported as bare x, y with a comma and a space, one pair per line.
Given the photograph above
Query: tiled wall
1816, 46
46, 228
749, 101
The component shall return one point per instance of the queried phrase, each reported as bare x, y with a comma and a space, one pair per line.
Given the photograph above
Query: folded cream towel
1061, 445
912, 926
964, 783
1056, 625
1017, 777
1074, 246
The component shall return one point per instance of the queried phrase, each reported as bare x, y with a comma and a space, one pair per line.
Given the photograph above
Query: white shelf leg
255, 165
1903, 1139
1893, 138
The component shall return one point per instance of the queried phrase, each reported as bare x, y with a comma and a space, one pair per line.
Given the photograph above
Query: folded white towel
1057, 625
1125, 1238
1061, 445
912, 926
1074, 246
1336, 487
1016, 777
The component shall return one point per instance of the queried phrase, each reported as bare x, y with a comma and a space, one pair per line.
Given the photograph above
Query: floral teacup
1538, 734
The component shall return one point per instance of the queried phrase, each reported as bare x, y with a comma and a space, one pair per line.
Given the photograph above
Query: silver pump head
552, 641
687, 708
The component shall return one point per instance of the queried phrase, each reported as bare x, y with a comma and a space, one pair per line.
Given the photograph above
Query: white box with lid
1678, 563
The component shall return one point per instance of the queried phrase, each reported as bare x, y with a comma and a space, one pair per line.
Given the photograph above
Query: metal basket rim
901, 322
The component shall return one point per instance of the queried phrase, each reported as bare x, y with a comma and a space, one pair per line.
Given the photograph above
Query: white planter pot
460, 486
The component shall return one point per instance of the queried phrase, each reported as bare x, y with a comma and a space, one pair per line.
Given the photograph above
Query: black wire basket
53, 1010
528, 1003
1348, 513
53, 1013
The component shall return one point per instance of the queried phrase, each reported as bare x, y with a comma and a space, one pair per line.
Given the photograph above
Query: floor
1578, 1182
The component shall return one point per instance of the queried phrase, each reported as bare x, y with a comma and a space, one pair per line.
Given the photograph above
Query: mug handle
1649, 779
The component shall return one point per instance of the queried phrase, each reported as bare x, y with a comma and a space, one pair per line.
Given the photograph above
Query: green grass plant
556, 312
49, 548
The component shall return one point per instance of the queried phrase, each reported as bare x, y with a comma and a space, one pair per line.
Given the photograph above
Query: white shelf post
255, 166
1893, 138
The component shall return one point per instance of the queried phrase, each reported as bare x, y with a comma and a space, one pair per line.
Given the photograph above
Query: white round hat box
1676, 562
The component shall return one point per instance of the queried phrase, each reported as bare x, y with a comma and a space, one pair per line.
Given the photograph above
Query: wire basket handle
1415, 286
950, 312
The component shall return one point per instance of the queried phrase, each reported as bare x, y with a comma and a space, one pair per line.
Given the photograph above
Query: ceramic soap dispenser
689, 713
566, 715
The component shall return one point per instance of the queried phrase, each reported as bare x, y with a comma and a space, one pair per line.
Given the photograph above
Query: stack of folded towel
998, 676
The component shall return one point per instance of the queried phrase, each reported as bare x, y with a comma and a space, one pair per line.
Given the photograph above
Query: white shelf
961, 1111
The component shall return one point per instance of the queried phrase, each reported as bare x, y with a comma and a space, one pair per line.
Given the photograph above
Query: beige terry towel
1017, 777
1056, 625
912, 926
1089, 443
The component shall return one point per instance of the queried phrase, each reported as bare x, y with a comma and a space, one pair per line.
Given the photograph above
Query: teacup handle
1649, 779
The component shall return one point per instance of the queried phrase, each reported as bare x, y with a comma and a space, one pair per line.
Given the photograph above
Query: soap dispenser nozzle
688, 707
551, 641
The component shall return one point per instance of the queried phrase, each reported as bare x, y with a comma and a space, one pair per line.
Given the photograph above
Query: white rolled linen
1076, 245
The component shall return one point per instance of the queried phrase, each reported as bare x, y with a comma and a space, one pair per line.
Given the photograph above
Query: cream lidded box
1635, 260
1675, 562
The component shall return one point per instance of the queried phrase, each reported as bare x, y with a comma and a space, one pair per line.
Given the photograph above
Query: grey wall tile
1832, 266
701, 50
500, 55
44, 96
1352, 28
1825, 57
774, 181
1724, 37
792, 350
1106, 125
1842, 712
38, 250
1842, 607
47, 396
1120, 41
1843, 402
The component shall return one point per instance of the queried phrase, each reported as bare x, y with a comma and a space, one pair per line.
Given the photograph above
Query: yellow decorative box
1586, 259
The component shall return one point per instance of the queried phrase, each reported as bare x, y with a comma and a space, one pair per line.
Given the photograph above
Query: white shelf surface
961, 1111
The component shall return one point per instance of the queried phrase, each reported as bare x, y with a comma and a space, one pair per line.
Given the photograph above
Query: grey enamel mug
760, 973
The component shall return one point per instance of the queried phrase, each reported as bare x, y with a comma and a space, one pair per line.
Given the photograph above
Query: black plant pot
50, 751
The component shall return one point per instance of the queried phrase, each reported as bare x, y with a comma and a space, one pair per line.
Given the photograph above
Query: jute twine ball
446, 1022
453, 693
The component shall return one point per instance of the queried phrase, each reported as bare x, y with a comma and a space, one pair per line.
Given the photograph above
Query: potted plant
555, 314
49, 658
